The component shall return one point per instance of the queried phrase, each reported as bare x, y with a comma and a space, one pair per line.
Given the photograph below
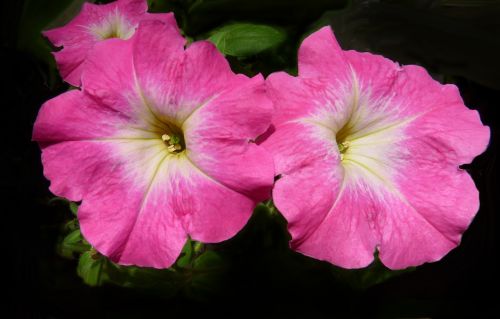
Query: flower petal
114, 80
213, 212
293, 97
220, 139
151, 226
436, 202
345, 236
431, 103
321, 56
178, 85
74, 116
126, 216
133, 7
374, 73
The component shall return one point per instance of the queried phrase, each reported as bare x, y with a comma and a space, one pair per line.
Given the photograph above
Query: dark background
457, 41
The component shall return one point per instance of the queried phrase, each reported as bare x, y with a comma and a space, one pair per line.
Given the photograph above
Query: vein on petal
203, 104
398, 194
210, 177
143, 202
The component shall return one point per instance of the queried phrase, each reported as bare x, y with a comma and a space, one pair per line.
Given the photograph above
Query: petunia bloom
158, 145
369, 153
96, 23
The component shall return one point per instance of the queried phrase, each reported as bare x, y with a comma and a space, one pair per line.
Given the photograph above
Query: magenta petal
465, 135
293, 96
119, 207
64, 119
345, 236
373, 72
134, 222
70, 63
221, 137
434, 205
213, 212
321, 56
158, 52
302, 171
109, 78
181, 79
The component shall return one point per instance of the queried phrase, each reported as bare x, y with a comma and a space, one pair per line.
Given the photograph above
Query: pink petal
432, 103
435, 201
79, 138
151, 226
132, 7
346, 235
220, 138
109, 78
167, 18
213, 212
180, 80
373, 73
160, 73
66, 118
293, 97
321, 56
118, 80
307, 164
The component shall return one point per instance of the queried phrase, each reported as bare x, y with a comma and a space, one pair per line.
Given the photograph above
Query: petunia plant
166, 149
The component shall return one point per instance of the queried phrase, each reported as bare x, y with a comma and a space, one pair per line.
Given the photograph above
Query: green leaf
90, 268
245, 39
165, 282
206, 278
72, 225
74, 208
186, 254
209, 260
75, 242
73, 238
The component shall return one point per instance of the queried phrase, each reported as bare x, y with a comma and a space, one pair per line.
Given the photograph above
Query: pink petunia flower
96, 23
158, 145
369, 155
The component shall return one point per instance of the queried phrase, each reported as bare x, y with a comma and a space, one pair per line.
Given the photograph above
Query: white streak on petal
115, 25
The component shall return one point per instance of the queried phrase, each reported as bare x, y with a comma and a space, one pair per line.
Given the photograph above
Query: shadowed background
254, 273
